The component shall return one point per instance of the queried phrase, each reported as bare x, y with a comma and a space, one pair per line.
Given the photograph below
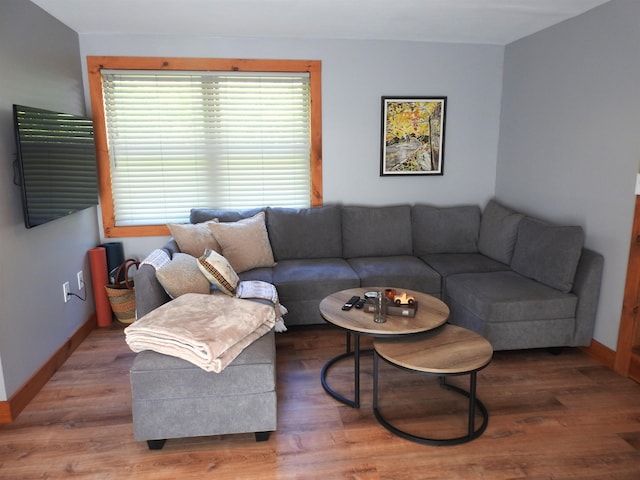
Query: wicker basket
122, 296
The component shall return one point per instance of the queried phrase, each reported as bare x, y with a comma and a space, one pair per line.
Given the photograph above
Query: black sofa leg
556, 350
262, 436
156, 444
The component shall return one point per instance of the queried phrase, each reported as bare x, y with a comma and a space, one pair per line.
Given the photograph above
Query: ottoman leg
156, 444
262, 436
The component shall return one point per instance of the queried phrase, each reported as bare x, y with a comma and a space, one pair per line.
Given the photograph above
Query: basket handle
126, 265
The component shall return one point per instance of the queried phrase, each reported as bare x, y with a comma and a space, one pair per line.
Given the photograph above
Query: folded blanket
157, 259
265, 291
209, 331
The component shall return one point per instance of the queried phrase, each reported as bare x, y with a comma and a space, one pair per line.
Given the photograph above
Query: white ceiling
460, 21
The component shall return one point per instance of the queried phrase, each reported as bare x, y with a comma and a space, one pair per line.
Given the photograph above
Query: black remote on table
350, 303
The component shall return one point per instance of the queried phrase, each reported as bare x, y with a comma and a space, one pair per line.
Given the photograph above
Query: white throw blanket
265, 291
209, 331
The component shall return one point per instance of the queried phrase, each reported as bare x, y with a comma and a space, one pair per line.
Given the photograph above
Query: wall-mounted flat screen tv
56, 164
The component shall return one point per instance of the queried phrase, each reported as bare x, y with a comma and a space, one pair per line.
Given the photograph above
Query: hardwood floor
551, 417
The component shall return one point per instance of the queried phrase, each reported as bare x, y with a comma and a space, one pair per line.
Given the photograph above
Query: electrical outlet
80, 276
66, 289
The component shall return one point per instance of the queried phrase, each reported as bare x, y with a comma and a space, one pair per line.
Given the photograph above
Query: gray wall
40, 67
355, 74
569, 132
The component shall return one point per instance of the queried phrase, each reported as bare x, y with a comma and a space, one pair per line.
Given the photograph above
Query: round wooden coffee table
450, 350
431, 313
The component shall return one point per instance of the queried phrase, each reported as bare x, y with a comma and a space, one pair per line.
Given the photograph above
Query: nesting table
431, 313
424, 344
447, 351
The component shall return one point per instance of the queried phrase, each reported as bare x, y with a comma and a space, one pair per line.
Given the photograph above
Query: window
173, 134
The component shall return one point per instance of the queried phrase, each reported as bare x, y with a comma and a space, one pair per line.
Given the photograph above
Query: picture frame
412, 138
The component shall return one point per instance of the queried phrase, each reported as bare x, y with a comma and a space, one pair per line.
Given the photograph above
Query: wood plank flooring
551, 417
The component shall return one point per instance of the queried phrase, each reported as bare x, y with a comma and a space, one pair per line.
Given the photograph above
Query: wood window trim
95, 64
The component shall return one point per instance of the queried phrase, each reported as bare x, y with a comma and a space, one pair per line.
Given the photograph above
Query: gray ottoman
172, 398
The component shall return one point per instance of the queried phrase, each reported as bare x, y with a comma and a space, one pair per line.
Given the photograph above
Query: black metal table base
355, 353
474, 402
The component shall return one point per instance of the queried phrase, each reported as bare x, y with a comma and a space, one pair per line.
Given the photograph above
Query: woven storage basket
122, 296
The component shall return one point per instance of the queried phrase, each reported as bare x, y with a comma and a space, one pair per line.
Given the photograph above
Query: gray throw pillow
548, 253
445, 229
498, 232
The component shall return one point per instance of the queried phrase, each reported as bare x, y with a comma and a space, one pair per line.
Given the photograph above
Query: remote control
350, 302
360, 303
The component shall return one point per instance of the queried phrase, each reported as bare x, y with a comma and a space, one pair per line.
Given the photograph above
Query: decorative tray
407, 310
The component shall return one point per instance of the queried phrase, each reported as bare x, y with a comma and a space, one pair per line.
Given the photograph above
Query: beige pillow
194, 238
244, 243
218, 271
181, 275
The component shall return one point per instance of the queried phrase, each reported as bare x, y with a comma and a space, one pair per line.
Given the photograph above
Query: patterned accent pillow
218, 271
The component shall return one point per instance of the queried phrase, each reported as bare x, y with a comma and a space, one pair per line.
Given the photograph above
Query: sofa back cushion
199, 215
445, 229
376, 231
548, 253
498, 232
305, 232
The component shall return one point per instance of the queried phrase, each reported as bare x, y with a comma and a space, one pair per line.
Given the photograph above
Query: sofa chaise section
172, 398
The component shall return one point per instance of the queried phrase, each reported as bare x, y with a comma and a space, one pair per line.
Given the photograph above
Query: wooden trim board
600, 352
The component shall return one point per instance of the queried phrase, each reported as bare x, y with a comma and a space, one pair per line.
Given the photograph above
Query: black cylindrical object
115, 258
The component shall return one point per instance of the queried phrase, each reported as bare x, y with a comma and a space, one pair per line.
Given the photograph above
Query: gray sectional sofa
519, 281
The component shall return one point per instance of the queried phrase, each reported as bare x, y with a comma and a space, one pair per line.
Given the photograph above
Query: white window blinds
179, 140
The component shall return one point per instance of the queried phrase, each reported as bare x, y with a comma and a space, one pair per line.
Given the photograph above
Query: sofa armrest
150, 294
586, 286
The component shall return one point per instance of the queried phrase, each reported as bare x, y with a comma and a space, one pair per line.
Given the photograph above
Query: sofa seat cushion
311, 279
445, 229
376, 231
305, 232
509, 297
397, 271
447, 264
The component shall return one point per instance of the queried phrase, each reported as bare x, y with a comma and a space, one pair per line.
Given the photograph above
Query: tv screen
56, 164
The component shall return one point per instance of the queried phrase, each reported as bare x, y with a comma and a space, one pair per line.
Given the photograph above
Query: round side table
431, 313
447, 351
